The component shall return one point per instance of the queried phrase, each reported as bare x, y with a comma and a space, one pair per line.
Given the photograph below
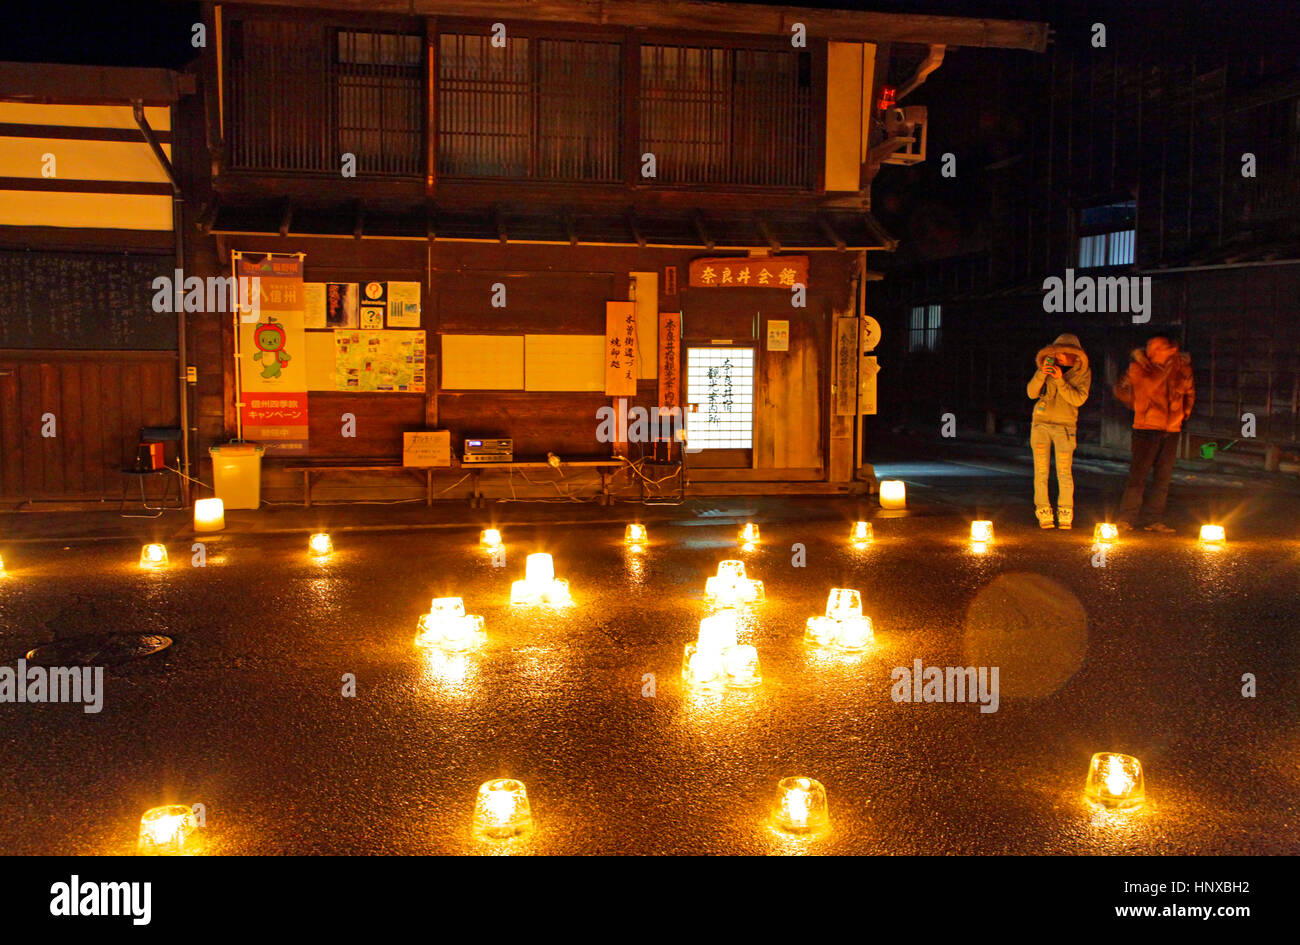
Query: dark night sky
154, 33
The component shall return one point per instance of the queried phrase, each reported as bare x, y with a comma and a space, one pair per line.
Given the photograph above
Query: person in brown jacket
1158, 386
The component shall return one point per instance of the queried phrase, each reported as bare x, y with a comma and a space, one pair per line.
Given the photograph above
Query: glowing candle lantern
320, 544
446, 625
730, 586
843, 603
861, 533
2, 566
749, 534
209, 515
801, 805
703, 669
490, 538
1115, 780
718, 631
635, 535
854, 633
540, 585
1213, 534
1105, 533
893, 494
502, 809
843, 625
740, 663
981, 532
153, 556
164, 830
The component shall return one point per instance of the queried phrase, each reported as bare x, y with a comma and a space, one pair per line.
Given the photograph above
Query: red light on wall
887, 93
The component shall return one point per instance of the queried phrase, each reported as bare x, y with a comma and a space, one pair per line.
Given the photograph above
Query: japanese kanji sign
272, 356
750, 272
620, 349
670, 359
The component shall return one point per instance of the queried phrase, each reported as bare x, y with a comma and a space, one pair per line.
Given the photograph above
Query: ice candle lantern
164, 829
635, 536
153, 556
1115, 780
801, 805
320, 544
540, 585
730, 586
893, 494
715, 660
843, 626
981, 532
447, 626
749, 535
861, 533
1212, 534
209, 515
490, 538
1105, 533
502, 810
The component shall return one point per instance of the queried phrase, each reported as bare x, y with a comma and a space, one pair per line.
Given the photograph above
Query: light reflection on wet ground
246, 712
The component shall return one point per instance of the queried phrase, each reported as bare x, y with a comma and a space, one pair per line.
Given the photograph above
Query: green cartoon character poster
269, 339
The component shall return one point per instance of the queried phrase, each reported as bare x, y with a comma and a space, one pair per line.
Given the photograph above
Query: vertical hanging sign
620, 349
272, 354
670, 359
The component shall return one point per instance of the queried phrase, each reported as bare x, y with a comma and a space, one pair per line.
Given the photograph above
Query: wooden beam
286, 216
209, 215
566, 220
849, 26
697, 221
359, 221
635, 229
500, 225
768, 235
54, 83
829, 232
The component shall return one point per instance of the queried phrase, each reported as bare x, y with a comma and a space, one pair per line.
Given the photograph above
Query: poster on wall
272, 356
372, 316
403, 305
313, 305
390, 362
778, 334
341, 305
670, 359
620, 349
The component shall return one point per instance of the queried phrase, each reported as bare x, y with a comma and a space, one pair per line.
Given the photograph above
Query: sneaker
1065, 518
1160, 527
1124, 526
1044, 514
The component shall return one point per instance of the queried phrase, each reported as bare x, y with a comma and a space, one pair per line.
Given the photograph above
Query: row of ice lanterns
502, 811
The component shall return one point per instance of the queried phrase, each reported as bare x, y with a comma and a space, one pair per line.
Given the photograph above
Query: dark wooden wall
100, 400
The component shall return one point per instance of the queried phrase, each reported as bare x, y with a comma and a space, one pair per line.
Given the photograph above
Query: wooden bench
605, 468
423, 472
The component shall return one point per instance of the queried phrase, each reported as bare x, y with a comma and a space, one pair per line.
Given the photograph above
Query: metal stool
148, 435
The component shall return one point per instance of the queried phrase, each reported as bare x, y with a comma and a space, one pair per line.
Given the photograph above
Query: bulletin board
379, 361
483, 362
564, 362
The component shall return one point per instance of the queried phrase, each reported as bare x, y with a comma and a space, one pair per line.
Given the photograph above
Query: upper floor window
1107, 235
728, 116
300, 95
536, 109
923, 331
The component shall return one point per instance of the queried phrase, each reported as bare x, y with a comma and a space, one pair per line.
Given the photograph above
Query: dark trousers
1151, 449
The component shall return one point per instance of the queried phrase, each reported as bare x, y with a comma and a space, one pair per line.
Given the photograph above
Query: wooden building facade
506, 177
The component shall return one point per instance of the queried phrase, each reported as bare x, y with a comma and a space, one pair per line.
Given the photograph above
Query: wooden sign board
749, 272
620, 349
846, 367
427, 449
670, 359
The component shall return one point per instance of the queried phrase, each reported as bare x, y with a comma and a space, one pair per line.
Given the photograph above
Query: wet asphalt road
244, 713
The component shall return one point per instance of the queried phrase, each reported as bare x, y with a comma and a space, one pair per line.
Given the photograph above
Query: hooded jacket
1161, 395
1059, 401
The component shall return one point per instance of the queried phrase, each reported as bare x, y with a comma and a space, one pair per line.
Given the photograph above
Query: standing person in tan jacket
1060, 385
1158, 385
